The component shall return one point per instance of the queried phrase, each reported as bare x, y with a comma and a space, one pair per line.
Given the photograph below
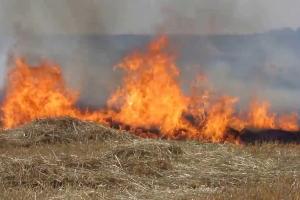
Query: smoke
227, 16
212, 17
144, 17
50, 17
237, 59
60, 31
82, 36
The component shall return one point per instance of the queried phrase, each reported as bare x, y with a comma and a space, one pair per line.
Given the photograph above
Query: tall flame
219, 117
259, 115
149, 97
38, 92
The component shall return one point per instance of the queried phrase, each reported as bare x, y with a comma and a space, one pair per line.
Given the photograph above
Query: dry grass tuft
60, 130
145, 158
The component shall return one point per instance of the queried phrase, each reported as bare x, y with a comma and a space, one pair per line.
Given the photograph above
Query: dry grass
70, 159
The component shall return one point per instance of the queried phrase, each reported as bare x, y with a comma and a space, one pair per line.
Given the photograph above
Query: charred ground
65, 158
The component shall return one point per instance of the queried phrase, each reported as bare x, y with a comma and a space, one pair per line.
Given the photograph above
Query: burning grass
69, 158
149, 102
65, 158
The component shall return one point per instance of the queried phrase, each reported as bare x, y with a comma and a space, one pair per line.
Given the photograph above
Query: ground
69, 159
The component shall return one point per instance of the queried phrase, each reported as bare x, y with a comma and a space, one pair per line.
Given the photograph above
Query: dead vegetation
69, 159
60, 130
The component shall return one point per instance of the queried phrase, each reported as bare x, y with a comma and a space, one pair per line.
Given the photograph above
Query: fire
259, 115
219, 117
38, 92
289, 122
150, 97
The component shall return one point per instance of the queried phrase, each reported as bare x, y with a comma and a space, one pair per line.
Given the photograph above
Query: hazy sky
147, 16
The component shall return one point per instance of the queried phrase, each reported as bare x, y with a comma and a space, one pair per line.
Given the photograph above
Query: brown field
70, 159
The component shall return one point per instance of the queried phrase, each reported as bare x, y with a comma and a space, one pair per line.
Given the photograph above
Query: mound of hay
60, 130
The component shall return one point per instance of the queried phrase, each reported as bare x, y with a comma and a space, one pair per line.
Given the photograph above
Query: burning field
152, 140
150, 102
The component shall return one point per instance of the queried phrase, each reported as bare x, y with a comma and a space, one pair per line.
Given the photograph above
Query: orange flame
150, 97
219, 117
38, 92
259, 115
289, 122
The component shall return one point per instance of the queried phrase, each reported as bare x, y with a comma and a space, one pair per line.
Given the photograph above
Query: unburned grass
69, 159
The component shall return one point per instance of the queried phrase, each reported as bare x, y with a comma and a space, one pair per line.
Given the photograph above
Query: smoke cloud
87, 39
144, 17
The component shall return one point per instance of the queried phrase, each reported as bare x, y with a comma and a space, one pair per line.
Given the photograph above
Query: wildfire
260, 117
149, 98
38, 92
150, 95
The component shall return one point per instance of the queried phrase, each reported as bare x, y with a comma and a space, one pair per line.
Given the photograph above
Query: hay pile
66, 158
60, 130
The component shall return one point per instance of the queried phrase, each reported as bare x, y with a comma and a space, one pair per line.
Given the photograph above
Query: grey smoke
72, 33
144, 16
212, 17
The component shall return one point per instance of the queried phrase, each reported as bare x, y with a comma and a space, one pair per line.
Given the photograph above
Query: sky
147, 16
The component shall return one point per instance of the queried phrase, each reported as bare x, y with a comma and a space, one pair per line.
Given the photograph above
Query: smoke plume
87, 38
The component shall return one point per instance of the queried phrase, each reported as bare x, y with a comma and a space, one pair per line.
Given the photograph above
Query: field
66, 158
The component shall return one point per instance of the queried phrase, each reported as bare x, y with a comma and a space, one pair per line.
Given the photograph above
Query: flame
289, 122
260, 117
38, 92
150, 97
219, 117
